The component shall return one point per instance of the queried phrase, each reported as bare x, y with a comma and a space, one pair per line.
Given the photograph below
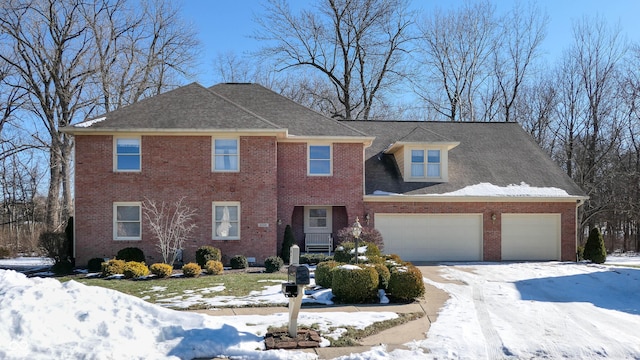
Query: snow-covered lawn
524, 310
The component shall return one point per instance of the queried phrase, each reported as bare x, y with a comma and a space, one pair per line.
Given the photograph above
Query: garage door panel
531, 236
432, 237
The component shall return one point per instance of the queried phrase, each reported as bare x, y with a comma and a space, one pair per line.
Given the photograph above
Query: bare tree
74, 58
172, 226
456, 48
521, 33
357, 45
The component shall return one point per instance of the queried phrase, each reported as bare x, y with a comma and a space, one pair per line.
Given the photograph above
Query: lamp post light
356, 230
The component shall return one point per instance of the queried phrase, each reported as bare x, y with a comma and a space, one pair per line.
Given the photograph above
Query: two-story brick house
250, 162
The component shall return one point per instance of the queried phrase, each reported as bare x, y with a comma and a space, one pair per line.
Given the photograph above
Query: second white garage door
530, 236
431, 237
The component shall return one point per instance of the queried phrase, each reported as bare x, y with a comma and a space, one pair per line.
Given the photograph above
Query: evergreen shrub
406, 283
95, 264
594, 249
113, 267
62, 267
383, 275
354, 284
273, 264
161, 270
191, 270
131, 254
323, 274
214, 267
313, 259
287, 243
135, 269
206, 253
239, 262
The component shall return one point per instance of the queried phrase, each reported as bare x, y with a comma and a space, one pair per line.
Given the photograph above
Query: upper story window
126, 221
425, 166
319, 160
226, 220
127, 154
225, 155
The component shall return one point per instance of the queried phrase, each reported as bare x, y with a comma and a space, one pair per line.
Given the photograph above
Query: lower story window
127, 221
226, 220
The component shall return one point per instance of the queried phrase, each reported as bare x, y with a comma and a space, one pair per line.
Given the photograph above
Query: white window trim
213, 154
115, 220
309, 145
214, 236
444, 174
319, 230
115, 153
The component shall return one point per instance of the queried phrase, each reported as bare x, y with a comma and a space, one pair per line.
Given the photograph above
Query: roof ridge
242, 108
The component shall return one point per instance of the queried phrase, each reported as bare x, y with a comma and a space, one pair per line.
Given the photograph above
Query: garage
432, 237
530, 237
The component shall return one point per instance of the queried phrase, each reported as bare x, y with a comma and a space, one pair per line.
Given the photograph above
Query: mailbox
290, 290
299, 275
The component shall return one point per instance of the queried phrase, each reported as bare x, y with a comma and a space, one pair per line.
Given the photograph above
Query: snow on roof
88, 123
487, 189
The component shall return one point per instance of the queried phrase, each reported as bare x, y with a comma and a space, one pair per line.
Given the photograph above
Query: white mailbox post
298, 278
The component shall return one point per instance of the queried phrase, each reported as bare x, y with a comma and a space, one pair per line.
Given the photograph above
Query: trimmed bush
323, 274
273, 264
354, 284
112, 267
95, 264
135, 269
161, 270
214, 267
594, 249
62, 267
191, 270
287, 243
239, 262
313, 259
206, 253
383, 275
343, 252
580, 251
131, 254
406, 283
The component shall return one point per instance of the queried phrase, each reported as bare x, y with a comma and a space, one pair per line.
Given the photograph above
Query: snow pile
487, 189
88, 123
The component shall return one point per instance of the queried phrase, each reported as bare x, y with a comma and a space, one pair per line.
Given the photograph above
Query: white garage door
430, 237
530, 236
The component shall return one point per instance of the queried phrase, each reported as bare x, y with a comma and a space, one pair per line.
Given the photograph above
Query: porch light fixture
356, 230
367, 218
493, 216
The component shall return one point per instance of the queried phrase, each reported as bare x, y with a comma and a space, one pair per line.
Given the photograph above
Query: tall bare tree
357, 45
521, 33
456, 48
74, 58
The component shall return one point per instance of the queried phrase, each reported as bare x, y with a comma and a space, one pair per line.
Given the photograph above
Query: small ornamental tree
172, 225
594, 249
369, 234
289, 241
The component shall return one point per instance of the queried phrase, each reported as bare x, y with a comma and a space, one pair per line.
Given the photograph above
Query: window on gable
127, 221
127, 154
226, 220
225, 155
429, 164
319, 162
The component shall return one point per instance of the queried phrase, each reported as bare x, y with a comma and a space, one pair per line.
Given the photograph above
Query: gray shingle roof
188, 107
220, 107
497, 153
286, 113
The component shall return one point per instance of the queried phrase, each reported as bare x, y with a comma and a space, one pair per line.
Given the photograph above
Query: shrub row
359, 283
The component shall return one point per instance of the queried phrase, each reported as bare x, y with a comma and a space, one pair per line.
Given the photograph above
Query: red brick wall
491, 229
295, 188
175, 167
